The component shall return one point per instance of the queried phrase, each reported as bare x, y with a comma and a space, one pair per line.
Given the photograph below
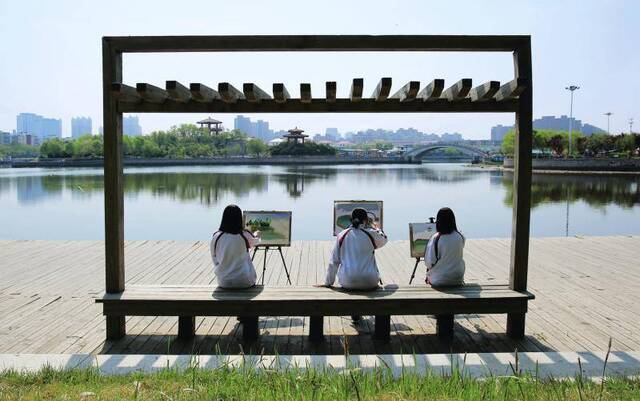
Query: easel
264, 262
415, 267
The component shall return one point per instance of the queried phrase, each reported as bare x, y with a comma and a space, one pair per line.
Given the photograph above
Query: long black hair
358, 217
446, 222
231, 220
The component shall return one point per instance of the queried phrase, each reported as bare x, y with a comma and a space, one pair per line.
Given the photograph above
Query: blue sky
51, 59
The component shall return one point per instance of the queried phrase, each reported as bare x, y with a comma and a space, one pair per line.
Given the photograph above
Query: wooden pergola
512, 97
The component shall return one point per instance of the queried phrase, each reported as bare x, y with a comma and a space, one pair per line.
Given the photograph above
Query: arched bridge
419, 151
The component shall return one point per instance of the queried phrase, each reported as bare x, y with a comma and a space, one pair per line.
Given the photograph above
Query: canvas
274, 226
342, 213
419, 235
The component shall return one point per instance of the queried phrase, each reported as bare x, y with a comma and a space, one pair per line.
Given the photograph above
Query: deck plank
583, 297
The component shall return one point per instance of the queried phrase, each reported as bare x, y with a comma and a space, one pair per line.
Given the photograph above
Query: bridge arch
466, 149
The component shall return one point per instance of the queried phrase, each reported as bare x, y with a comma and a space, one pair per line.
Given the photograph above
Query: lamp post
608, 114
630, 126
571, 88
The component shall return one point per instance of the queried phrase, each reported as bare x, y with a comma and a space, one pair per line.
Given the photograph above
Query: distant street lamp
630, 126
571, 88
608, 114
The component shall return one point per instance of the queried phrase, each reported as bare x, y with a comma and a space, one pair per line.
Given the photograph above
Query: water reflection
596, 190
208, 187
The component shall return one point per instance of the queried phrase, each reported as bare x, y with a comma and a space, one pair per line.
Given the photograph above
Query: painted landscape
419, 235
275, 227
342, 213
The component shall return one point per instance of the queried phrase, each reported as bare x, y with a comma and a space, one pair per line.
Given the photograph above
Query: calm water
186, 202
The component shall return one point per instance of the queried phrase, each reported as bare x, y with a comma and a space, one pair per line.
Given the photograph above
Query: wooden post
250, 331
113, 189
316, 328
186, 327
444, 327
522, 184
383, 328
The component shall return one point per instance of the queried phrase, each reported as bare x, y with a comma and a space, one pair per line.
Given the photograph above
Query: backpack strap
435, 247
215, 243
341, 239
373, 242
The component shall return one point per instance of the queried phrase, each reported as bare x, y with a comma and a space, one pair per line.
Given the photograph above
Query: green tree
256, 147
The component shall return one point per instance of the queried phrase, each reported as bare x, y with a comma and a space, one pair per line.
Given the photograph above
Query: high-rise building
131, 126
499, 131
243, 124
262, 130
5, 138
43, 128
81, 126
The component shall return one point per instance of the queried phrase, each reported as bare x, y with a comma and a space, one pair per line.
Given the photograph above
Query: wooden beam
381, 93
113, 182
520, 226
367, 105
484, 43
484, 92
305, 93
356, 89
511, 90
124, 93
432, 91
228, 93
151, 94
331, 88
280, 93
408, 92
202, 93
253, 93
178, 92
458, 91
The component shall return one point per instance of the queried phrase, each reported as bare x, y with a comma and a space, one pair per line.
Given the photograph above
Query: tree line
185, 141
557, 143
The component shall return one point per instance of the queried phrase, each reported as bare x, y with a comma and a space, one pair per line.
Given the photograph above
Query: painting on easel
342, 213
419, 235
274, 226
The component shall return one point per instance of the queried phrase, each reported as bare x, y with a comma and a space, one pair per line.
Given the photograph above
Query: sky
51, 56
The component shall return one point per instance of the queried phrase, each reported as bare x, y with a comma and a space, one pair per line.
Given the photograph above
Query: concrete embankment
595, 165
223, 161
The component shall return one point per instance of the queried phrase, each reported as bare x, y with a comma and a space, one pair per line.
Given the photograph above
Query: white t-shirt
354, 261
448, 268
232, 263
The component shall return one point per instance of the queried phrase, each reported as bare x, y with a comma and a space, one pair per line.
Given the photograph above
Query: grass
312, 385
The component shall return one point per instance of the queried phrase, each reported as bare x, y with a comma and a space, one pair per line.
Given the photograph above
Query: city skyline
561, 58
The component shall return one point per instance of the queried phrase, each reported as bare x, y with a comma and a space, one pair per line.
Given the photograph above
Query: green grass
249, 384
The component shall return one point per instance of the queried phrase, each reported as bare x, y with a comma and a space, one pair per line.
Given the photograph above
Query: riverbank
221, 161
582, 165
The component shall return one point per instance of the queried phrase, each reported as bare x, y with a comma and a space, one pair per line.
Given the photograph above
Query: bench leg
383, 328
186, 327
444, 327
250, 330
515, 325
316, 328
116, 327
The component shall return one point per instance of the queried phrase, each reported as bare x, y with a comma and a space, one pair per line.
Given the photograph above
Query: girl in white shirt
444, 254
353, 258
230, 247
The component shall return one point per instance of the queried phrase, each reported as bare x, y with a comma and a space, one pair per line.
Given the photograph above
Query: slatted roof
413, 96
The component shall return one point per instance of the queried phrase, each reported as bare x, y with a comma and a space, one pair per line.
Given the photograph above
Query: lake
186, 202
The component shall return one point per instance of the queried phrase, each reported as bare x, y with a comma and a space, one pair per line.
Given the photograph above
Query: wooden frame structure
118, 98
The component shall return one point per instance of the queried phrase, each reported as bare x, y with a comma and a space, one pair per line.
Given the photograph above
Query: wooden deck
586, 292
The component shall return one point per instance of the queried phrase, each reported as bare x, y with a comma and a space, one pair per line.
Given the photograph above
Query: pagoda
295, 135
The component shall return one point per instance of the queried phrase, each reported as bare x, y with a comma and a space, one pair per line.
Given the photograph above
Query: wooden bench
187, 302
